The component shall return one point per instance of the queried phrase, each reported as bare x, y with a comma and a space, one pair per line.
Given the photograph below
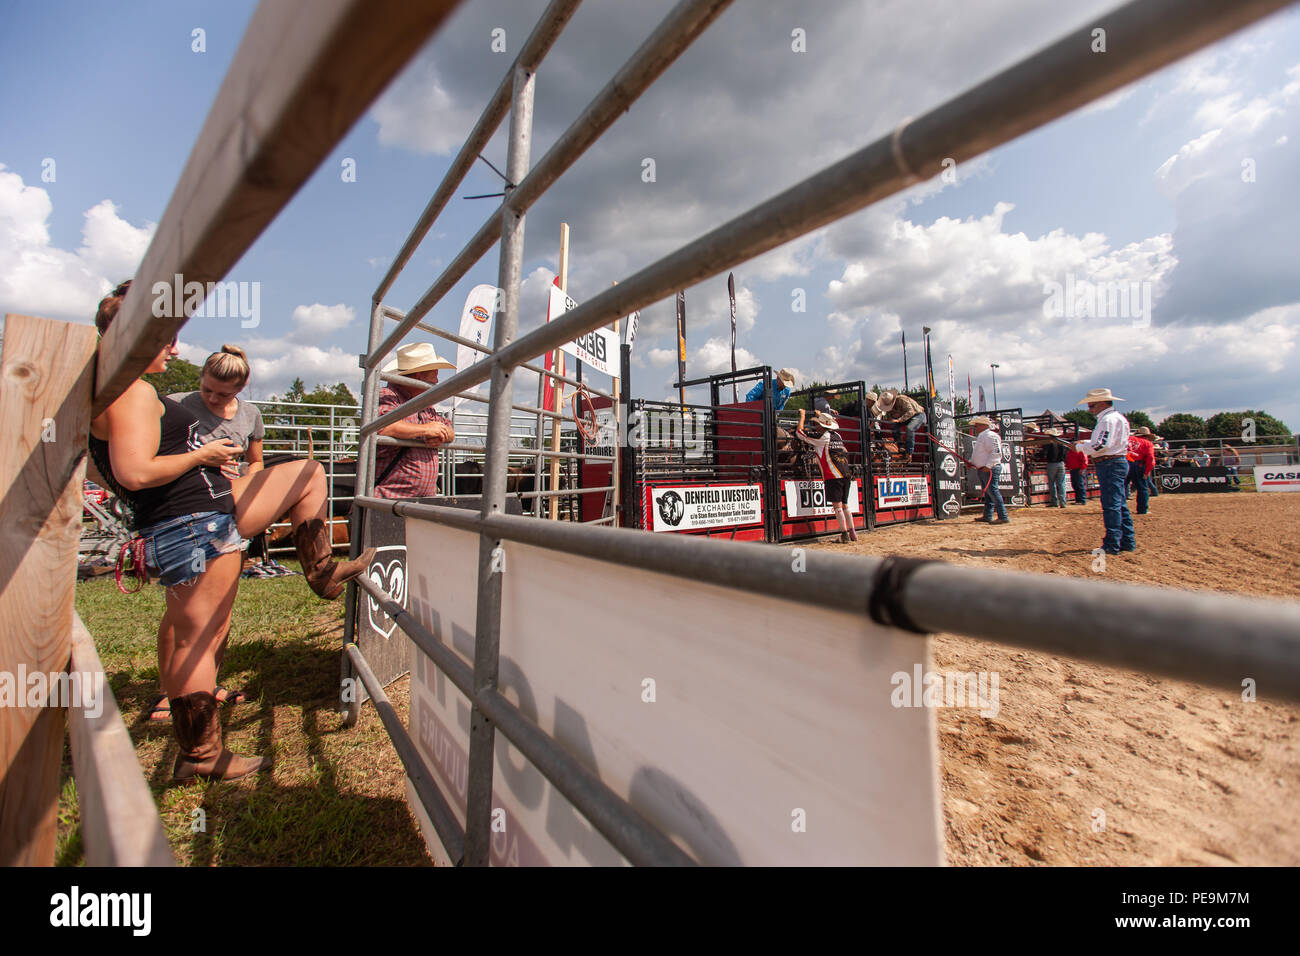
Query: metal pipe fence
1204, 637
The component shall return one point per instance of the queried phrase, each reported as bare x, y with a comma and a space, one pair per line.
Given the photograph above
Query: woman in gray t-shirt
221, 414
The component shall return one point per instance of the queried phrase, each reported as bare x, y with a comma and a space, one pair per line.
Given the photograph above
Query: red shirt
1076, 460
416, 475
1141, 450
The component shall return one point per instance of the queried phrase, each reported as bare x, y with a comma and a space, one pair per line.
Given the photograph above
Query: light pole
994, 366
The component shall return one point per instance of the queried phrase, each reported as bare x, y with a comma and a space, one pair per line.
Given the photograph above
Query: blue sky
1146, 187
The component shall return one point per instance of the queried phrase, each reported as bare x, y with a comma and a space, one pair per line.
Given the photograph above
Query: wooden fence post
45, 392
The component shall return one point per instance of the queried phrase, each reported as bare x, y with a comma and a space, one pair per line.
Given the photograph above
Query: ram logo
1171, 482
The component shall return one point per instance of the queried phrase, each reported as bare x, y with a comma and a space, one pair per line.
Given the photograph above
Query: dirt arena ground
1182, 773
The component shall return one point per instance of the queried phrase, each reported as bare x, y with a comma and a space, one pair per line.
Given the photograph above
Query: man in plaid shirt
415, 474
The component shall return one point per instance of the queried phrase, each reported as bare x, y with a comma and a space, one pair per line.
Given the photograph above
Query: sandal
160, 709
231, 697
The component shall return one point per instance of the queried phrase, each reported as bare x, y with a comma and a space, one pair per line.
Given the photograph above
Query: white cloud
312, 323
39, 278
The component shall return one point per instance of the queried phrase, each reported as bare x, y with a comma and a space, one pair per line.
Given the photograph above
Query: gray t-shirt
246, 426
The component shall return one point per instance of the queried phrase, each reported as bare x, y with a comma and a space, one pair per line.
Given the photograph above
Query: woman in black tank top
191, 513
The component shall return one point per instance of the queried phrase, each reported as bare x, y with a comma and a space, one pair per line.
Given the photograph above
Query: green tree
1138, 420
1232, 426
181, 376
288, 421
1182, 426
1081, 416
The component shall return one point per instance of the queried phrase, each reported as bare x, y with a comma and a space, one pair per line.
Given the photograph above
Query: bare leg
296, 487
196, 613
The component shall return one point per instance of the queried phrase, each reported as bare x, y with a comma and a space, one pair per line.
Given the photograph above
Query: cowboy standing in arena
833, 462
902, 411
1141, 463
1054, 455
402, 471
987, 459
1108, 449
1076, 463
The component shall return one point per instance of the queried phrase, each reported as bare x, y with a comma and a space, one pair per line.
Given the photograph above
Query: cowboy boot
324, 575
197, 723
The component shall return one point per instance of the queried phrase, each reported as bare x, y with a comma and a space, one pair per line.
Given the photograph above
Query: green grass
335, 795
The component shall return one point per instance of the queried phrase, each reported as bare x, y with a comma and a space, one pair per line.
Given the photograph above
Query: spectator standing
402, 471
1108, 449
1054, 454
1231, 460
987, 459
1141, 463
1076, 463
1201, 458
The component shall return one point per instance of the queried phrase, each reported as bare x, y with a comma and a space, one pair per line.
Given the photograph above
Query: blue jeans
177, 550
1138, 479
913, 423
1153, 486
993, 497
1079, 481
1112, 475
1232, 470
1056, 482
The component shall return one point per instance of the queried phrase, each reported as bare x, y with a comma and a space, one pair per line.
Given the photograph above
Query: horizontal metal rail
536, 46
669, 40
1042, 87
1209, 638
561, 492
460, 340
513, 452
417, 385
440, 814
616, 819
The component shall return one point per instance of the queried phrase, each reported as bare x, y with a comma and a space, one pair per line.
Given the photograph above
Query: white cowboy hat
1098, 395
886, 400
1055, 432
871, 397
1030, 427
1144, 432
980, 420
419, 357
786, 375
826, 421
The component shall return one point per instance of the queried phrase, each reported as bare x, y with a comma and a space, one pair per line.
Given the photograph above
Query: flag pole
906, 386
559, 386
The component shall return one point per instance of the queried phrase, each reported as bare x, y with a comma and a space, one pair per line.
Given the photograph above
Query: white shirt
988, 449
1109, 435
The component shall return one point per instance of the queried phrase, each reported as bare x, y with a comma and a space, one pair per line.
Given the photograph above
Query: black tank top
199, 489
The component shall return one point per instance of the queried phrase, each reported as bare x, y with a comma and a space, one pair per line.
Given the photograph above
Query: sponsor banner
714, 764
807, 499
1193, 480
606, 434
598, 349
1277, 477
475, 325
947, 467
903, 491
695, 507
1038, 482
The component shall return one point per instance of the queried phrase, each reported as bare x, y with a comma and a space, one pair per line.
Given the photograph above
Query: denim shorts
177, 550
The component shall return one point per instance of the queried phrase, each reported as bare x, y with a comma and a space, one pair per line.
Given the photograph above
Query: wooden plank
45, 387
302, 76
120, 825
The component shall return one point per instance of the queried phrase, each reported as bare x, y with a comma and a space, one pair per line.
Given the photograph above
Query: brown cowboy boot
197, 724
326, 576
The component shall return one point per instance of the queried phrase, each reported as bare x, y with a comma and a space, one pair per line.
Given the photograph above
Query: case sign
695, 507
807, 499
